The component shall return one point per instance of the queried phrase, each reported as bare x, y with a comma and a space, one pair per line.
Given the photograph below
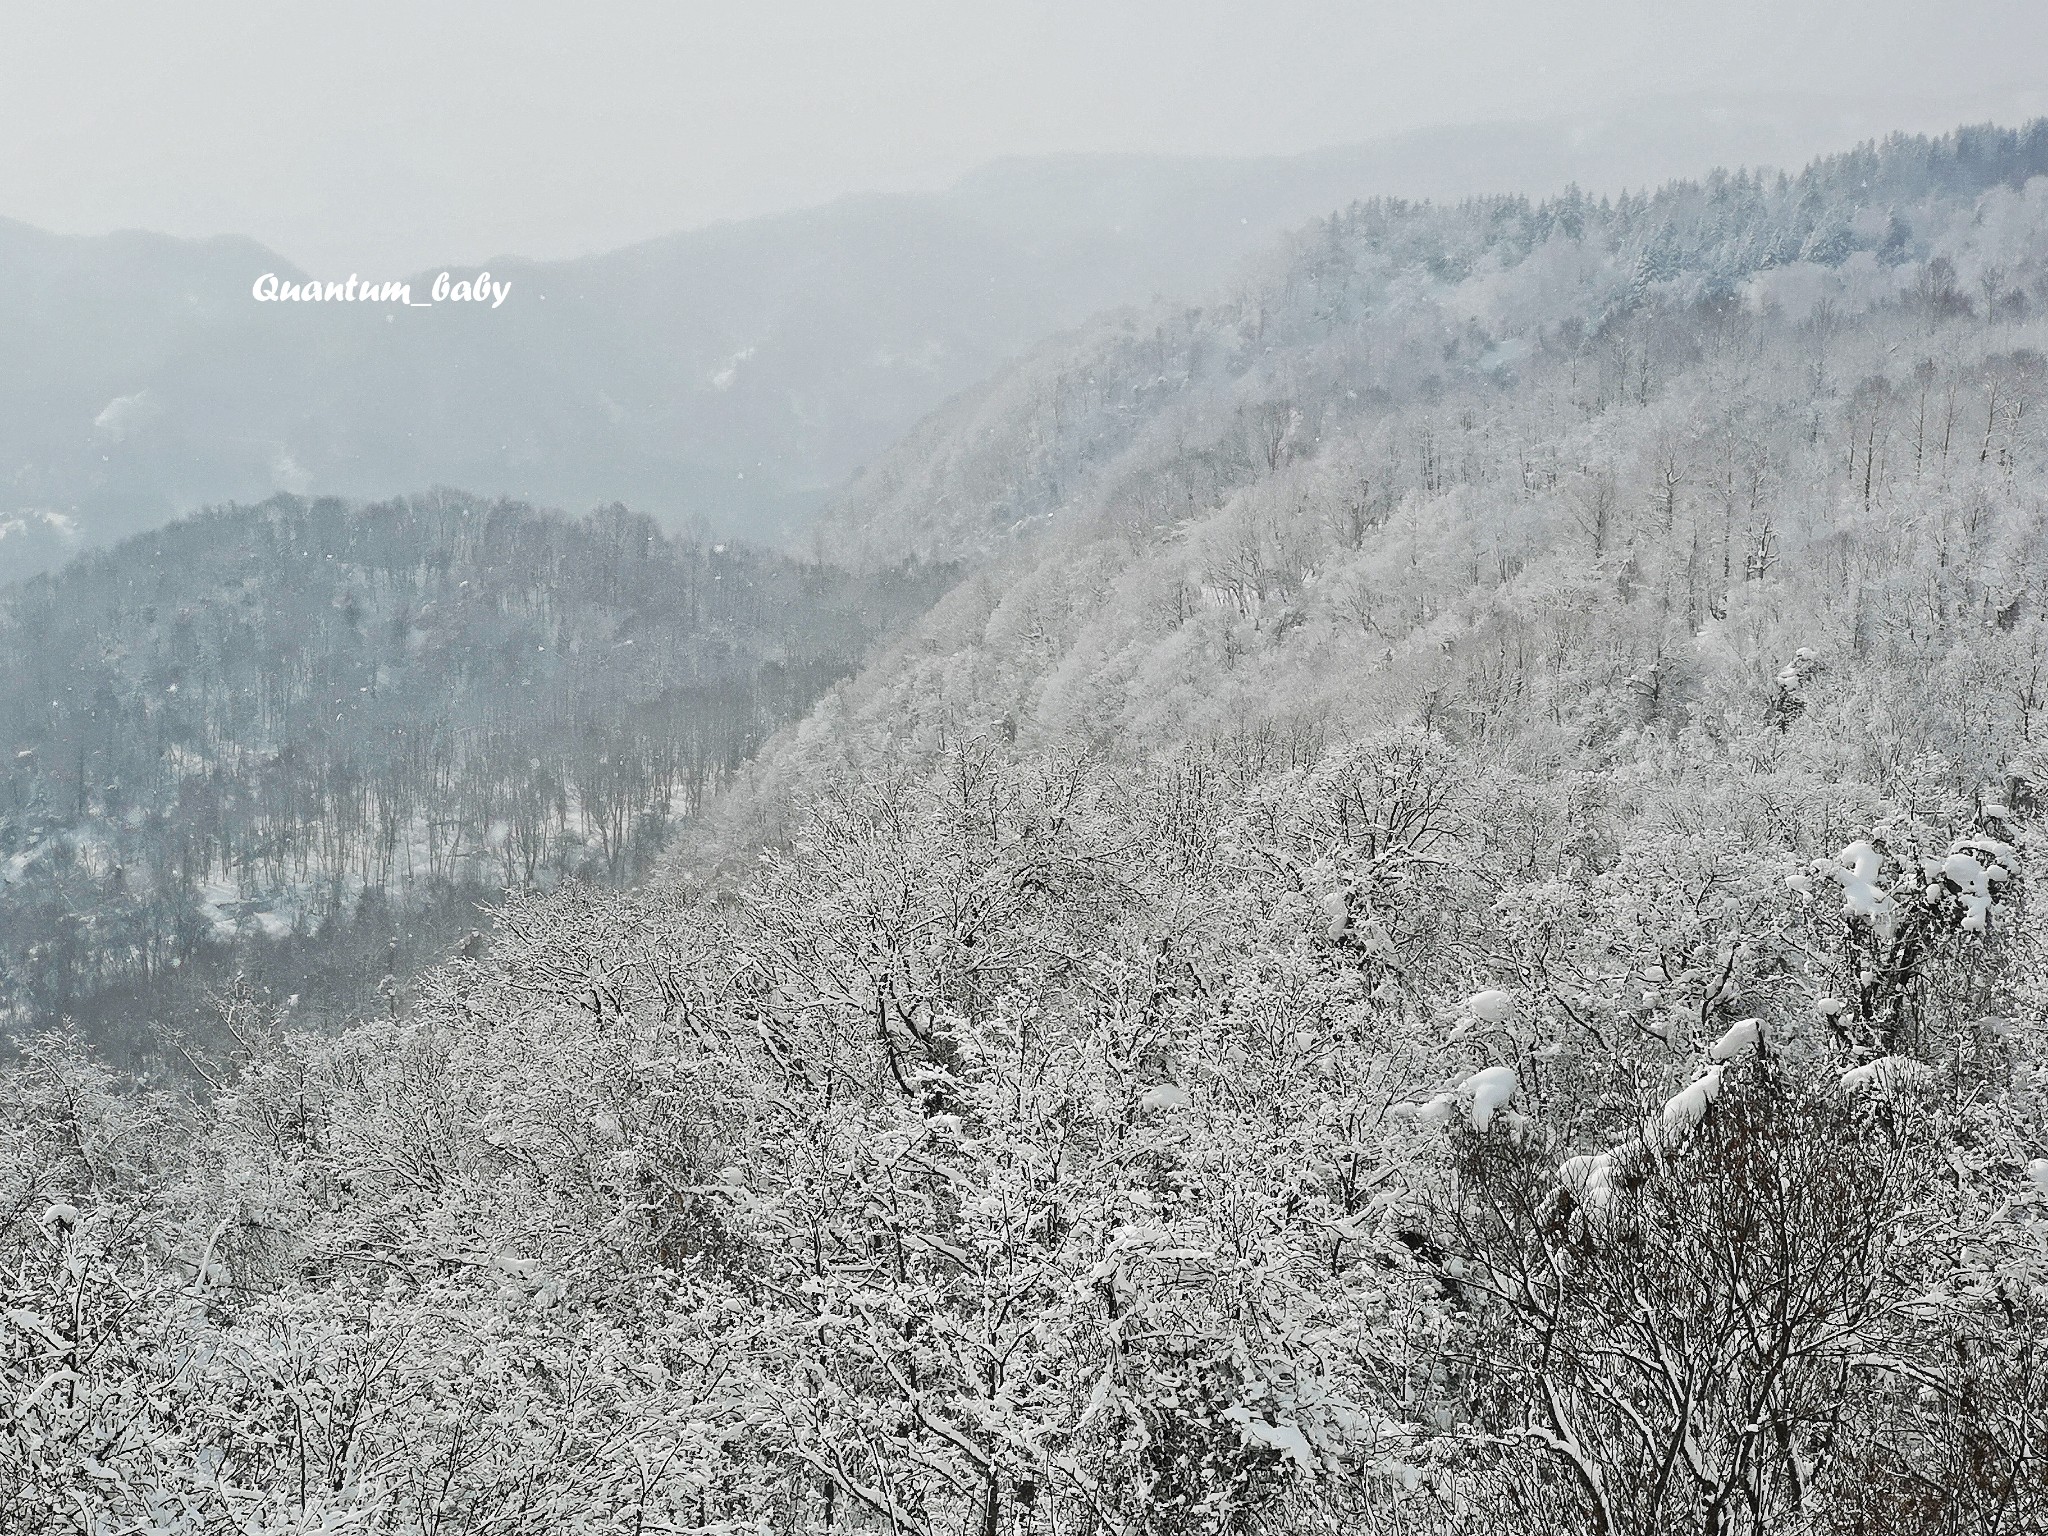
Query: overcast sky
371, 135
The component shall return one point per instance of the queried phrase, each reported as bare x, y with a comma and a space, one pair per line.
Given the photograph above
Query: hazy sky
371, 135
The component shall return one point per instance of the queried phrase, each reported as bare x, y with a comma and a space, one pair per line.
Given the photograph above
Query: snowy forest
291, 748
1406, 900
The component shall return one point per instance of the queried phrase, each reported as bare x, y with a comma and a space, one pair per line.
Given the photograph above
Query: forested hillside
1388, 304
1444, 934
269, 735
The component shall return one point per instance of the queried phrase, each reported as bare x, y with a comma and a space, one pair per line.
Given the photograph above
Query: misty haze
1034, 770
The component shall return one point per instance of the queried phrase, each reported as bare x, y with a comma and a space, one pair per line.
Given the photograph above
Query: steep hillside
1552, 473
1389, 300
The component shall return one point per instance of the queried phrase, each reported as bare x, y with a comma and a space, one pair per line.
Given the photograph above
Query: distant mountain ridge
736, 373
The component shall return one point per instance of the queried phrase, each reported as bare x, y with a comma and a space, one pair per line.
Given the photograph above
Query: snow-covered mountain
735, 374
